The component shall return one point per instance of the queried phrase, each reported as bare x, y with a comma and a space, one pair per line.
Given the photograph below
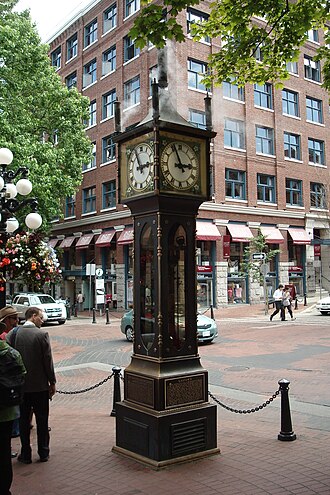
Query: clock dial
179, 164
140, 167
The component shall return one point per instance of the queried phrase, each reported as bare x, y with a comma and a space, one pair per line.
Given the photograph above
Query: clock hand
181, 165
140, 166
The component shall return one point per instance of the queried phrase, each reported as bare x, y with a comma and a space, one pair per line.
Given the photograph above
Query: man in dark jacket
34, 346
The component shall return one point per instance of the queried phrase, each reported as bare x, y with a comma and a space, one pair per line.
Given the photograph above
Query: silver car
51, 310
324, 306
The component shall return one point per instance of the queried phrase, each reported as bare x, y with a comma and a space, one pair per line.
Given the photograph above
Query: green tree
278, 27
257, 244
41, 121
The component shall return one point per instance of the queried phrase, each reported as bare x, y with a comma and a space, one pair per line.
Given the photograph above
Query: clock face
180, 166
140, 167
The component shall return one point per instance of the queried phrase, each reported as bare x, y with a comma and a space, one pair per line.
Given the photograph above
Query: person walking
278, 299
7, 416
34, 346
80, 301
287, 303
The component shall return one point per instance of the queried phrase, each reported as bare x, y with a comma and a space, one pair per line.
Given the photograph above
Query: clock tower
164, 176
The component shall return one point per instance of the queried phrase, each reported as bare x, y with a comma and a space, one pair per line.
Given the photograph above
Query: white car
324, 305
51, 310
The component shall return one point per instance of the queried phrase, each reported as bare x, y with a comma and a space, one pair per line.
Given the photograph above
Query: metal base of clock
162, 438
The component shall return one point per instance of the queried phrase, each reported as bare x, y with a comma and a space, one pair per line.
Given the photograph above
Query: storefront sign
226, 246
317, 249
296, 269
204, 269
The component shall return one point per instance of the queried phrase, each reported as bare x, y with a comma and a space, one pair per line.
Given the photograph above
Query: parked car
206, 327
324, 305
52, 311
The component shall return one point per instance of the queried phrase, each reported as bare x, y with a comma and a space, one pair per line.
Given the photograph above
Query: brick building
269, 160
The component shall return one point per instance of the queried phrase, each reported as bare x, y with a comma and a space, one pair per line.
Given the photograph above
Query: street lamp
9, 205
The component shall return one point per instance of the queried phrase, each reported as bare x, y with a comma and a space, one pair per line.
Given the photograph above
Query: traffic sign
258, 256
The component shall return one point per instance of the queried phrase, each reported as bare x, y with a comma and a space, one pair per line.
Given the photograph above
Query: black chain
246, 411
86, 389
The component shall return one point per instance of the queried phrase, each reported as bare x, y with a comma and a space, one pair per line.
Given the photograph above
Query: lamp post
9, 205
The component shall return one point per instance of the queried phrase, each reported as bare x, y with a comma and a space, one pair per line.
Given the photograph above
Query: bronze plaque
184, 391
140, 389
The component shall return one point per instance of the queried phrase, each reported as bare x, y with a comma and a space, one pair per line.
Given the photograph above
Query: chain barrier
74, 392
246, 411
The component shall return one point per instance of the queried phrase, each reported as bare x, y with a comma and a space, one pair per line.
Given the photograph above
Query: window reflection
176, 300
147, 287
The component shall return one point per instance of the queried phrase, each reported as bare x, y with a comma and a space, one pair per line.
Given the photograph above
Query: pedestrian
287, 303
34, 346
7, 416
278, 299
80, 301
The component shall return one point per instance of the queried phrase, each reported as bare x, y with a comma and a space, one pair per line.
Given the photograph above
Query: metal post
94, 316
296, 303
305, 299
116, 389
212, 312
107, 321
286, 434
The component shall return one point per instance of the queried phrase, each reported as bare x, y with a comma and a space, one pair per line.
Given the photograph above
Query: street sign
258, 256
99, 272
90, 269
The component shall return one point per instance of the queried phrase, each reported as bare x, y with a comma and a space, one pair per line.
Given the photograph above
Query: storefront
204, 287
237, 284
274, 238
297, 243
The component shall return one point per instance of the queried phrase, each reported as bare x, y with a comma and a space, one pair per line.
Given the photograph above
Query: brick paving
252, 460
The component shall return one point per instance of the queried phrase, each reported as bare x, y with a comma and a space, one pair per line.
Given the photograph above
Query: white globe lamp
11, 190
23, 186
33, 220
2, 183
6, 156
12, 225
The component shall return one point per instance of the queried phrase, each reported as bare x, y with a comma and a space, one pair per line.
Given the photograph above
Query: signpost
258, 256
90, 271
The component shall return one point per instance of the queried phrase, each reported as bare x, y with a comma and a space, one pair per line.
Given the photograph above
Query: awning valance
84, 241
52, 242
239, 232
207, 231
299, 236
126, 236
272, 235
67, 242
105, 239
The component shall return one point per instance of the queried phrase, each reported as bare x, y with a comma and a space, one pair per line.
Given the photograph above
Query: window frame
266, 191
312, 110
72, 47
235, 135
290, 103
289, 146
312, 73
89, 200
109, 193
112, 20
265, 142
318, 198
131, 6
198, 17
291, 192
314, 152
92, 163
130, 50
107, 103
233, 91
90, 33
90, 73
56, 57
199, 124
263, 95
196, 76
71, 77
130, 90
70, 206
233, 183
108, 149
112, 61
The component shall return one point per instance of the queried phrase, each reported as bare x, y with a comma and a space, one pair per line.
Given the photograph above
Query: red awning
105, 239
239, 232
52, 242
272, 235
207, 231
84, 241
126, 236
299, 236
67, 242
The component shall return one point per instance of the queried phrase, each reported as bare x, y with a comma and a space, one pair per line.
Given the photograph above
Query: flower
28, 258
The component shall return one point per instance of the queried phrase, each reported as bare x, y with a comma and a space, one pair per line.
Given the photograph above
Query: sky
51, 15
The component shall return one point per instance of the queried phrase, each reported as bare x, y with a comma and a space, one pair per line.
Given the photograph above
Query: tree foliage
41, 121
257, 244
279, 27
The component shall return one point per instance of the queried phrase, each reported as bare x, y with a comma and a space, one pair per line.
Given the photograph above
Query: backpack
11, 379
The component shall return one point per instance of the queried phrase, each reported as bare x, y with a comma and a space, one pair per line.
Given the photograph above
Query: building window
263, 95
233, 91
264, 140
196, 17
314, 111
71, 80
109, 61
292, 146
130, 50
89, 74
290, 103
90, 33
197, 118
318, 196
266, 188
131, 6
315, 151
153, 76
110, 18
109, 194
72, 47
258, 55
92, 114
234, 134
89, 200
292, 67
196, 72
92, 163
56, 58
108, 101
313, 35
70, 206
132, 92
293, 192
235, 184
108, 149
312, 69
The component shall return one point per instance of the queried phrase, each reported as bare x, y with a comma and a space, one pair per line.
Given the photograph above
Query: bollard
116, 389
94, 316
212, 312
296, 304
107, 321
305, 299
286, 434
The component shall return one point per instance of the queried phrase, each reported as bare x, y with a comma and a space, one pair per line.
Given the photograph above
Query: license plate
207, 333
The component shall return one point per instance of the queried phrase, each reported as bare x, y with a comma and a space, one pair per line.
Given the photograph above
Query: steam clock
164, 176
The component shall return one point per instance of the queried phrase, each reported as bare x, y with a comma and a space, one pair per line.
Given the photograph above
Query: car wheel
129, 332
324, 312
61, 322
